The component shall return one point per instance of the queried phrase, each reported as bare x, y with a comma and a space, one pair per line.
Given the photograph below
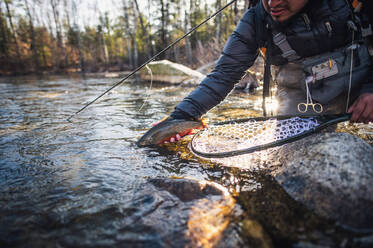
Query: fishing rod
151, 59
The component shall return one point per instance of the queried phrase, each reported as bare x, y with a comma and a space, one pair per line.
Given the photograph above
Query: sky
114, 7
87, 10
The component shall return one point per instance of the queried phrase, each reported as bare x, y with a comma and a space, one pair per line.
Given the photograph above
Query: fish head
146, 140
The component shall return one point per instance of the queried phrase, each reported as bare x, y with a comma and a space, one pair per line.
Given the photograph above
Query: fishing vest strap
267, 74
288, 53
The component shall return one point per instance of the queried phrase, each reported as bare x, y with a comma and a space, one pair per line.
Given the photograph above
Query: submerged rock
183, 213
255, 231
271, 212
169, 72
332, 174
248, 82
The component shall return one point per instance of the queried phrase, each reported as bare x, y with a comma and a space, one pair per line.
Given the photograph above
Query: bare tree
235, 11
33, 39
67, 11
247, 4
101, 30
54, 50
218, 22
134, 41
188, 46
146, 34
130, 36
58, 27
14, 33
4, 40
78, 36
163, 24
39, 23
151, 40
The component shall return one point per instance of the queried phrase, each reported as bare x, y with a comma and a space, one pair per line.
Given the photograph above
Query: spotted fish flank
167, 129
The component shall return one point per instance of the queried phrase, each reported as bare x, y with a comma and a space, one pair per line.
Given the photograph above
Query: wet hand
362, 109
173, 139
180, 135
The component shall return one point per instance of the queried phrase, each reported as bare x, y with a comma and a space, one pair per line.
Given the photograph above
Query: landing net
237, 138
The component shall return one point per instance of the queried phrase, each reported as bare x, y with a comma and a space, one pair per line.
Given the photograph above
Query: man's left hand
362, 109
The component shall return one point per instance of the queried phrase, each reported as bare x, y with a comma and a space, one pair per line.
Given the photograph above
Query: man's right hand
362, 109
180, 135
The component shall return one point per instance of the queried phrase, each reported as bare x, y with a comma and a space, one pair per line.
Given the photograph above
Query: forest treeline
50, 35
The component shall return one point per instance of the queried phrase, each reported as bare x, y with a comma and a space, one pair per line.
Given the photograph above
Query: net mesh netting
238, 136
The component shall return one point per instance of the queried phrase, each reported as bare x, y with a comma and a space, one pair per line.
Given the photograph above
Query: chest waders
332, 79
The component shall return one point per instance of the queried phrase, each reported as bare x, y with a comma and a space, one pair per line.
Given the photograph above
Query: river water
86, 183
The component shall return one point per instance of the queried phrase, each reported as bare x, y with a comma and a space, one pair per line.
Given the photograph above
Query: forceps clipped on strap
303, 107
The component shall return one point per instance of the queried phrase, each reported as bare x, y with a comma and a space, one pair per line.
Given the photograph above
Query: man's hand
172, 139
178, 136
362, 109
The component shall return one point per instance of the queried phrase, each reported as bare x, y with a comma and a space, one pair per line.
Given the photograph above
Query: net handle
327, 120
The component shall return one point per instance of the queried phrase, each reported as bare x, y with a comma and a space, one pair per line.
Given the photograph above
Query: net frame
323, 121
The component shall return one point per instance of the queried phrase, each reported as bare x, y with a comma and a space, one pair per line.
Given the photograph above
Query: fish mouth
141, 143
145, 141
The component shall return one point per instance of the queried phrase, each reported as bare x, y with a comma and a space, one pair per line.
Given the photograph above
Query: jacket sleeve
238, 55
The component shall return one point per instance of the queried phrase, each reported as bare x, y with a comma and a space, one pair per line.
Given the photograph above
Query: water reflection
86, 184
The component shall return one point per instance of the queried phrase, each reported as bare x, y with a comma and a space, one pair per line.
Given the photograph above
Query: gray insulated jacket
307, 38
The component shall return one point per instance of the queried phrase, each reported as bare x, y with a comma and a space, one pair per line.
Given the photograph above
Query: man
295, 32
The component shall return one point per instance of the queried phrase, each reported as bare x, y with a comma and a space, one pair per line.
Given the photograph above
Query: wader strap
365, 26
267, 75
288, 53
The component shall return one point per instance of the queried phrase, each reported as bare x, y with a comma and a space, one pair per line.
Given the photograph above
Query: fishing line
151, 59
351, 67
150, 87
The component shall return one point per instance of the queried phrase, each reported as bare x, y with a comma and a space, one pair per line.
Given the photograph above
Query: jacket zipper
307, 21
329, 28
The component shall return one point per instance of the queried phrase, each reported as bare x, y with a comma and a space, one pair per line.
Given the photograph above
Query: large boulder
332, 174
169, 72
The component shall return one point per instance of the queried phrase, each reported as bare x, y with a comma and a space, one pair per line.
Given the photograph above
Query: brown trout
167, 129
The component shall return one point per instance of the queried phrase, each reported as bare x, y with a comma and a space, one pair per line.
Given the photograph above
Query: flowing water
86, 183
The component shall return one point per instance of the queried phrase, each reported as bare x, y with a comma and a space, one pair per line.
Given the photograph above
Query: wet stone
255, 232
332, 174
187, 190
274, 219
363, 242
248, 82
168, 72
184, 213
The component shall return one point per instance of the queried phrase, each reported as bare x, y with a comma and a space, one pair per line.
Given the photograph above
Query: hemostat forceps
303, 107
